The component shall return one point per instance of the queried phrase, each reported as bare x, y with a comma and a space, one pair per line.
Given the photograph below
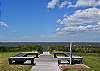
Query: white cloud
98, 3
3, 24
63, 4
53, 4
87, 3
99, 23
58, 29
57, 3
81, 20
79, 3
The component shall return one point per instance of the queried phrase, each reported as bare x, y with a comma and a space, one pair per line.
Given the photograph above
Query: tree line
51, 48
23, 48
81, 49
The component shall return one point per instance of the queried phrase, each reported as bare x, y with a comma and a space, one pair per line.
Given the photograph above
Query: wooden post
70, 52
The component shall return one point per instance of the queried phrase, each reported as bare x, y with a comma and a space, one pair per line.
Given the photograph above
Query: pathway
45, 62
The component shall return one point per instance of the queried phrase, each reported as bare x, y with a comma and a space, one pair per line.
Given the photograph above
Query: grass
90, 59
4, 66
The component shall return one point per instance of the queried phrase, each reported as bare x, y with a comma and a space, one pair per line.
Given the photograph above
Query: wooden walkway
45, 62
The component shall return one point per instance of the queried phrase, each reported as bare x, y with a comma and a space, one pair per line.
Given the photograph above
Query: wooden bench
20, 60
66, 57
75, 60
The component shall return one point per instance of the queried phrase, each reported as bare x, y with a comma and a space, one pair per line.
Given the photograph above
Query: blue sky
45, 20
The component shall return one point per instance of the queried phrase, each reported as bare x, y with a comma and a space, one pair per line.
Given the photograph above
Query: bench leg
32, 62
10, 61
59, 62
37, 56
55, 56
81, 61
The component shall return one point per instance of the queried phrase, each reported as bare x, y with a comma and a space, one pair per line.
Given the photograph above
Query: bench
66, 58
20, 55
75, 59
20, 60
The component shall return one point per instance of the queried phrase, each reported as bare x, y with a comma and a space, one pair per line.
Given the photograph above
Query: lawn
4, 66
90, 59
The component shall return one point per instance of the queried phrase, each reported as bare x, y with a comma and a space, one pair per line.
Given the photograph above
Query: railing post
70, 52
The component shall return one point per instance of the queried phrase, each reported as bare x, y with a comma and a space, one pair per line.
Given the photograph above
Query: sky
49, 20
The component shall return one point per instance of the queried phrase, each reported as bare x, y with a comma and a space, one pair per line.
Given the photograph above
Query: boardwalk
45, 63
